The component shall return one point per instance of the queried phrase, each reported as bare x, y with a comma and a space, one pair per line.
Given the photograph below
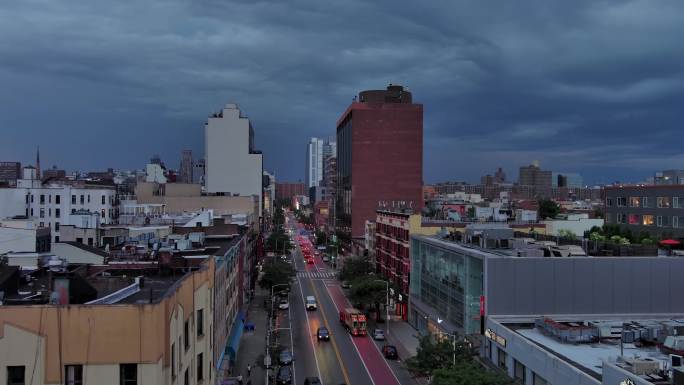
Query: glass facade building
446, 285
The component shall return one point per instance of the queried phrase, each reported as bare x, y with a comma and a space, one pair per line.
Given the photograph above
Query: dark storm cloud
589, 86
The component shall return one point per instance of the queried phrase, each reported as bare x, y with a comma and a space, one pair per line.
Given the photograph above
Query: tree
471, 212
433, 354
468, 373
367, 290
355, 267
278, 241
276, 273
548, 209
321, 237
567, 234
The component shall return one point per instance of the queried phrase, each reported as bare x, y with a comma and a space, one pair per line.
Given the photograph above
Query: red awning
669, 242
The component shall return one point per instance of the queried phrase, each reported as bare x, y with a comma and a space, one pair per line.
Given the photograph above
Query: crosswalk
315, 274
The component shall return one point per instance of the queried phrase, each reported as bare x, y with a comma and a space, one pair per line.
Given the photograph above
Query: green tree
567, 234
436, 353
321, 237
355, 267
468, 373
471, 212
548, 209
278, 242
368, 290
276, 273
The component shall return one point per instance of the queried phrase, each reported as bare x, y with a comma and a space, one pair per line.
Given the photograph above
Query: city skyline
601, 101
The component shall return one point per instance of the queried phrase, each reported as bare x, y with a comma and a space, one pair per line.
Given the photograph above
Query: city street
343, 359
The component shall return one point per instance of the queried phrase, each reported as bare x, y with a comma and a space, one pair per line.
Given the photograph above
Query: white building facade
314, 162
49, 205
233, 166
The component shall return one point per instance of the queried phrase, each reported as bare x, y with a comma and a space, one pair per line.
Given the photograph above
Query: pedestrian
249, 370
239, 379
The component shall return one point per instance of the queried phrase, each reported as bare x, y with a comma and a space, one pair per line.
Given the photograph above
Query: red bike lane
379, 370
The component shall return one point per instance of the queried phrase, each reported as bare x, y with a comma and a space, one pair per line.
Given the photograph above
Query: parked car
379, 335
283, 305
323, 334
346, 284
284, 376
285, 357
312, 381
390, 351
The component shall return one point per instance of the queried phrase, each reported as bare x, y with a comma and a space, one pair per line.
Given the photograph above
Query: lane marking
308, 327
382, 357
332, 338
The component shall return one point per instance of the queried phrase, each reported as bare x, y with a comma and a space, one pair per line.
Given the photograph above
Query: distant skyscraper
669, 177
379, 156
186, 167
537, 178
234, 166
314, 162
566, 179
499, 176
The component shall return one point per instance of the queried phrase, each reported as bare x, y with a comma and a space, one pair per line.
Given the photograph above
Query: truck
354, 321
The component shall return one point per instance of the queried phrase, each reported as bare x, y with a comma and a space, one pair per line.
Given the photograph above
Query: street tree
276, 273
368, 291
436, 353
355, 267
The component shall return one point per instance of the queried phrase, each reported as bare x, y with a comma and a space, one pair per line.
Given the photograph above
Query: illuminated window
633, 219
634, 202
664, 202
647, 220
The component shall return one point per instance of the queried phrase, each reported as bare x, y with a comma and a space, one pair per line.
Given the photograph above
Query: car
379, 335
285, 357
326, 259
311, 302
283, 305
310, 261
284, 376
346, 285
323, 334
312, 381
390, 352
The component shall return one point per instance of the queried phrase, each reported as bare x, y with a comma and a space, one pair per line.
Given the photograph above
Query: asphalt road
344, 359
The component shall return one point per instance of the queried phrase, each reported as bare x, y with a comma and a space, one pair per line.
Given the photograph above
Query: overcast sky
595, 87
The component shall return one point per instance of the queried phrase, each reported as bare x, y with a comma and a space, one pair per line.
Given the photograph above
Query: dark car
284, 376
312, 381
323, 334
285, 357
390, 351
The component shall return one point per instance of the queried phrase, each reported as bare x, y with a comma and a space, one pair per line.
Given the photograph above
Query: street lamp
387, 304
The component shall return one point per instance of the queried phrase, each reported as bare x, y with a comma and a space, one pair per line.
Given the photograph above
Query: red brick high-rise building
379, 156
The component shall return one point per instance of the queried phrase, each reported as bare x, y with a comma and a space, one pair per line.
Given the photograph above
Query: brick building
287, 190
379, 156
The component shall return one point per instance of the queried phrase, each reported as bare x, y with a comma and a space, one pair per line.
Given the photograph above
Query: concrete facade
379, 156
233, 165
655, 209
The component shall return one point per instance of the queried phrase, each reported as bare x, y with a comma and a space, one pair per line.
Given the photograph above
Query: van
311, 302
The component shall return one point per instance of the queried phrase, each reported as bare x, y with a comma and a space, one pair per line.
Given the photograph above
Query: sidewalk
253, 343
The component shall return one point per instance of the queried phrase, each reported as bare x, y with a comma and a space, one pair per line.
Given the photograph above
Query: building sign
489, 333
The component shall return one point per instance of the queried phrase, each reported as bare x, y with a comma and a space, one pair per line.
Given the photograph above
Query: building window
15, 375
663, 202
88, 198
502, 359
663, 221
42, 224
28, 198
519, 371
73, 211
58, 199
186, 380
200, 367
634, 202
90, 241
79, 240
49, 198
50, 212
102, 213
128, 374
200, 322
103, 199
73, 199
73, 374
31, 211
82, 199
58, 212
42, 199
42, 213
538, 380
647, 220
186, 329
173, 360
621, 201
621, 218
56, 226
57, 239
633, 219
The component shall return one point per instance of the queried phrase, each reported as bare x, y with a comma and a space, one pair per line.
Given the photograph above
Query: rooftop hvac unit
643, 366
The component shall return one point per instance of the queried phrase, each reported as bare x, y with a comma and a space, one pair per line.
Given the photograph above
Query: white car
283, 305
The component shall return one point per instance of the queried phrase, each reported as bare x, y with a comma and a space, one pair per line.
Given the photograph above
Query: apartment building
655, 209
49, 204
